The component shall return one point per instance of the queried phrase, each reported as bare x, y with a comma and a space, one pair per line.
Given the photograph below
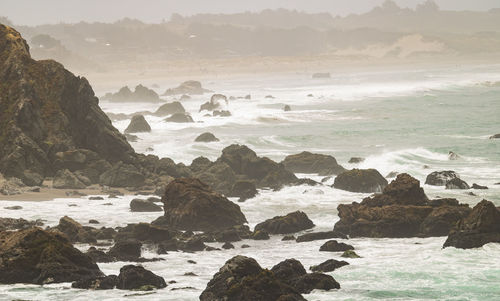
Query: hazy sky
32, 12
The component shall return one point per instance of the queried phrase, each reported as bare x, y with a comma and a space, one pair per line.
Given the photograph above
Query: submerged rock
138, 124
287, 108
479, 227
290, 223
40, 257
335, 246
360, 180
328, 266
402, 210
190, 204
307, 162
477, 186
320, 236
206, 137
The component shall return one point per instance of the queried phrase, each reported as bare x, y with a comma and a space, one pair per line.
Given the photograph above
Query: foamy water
398, 121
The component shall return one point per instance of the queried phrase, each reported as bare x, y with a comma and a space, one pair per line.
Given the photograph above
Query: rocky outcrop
138, 205
242, 278
190, 204
244, 190
180, 118
457, 183
214, 103
360, 180
290, 223
138, 124
39, 257
307, 162
335, 246
328, 266
65, 179
479, 227
122, 175
402, 210
126, 250
140, 94
190, 87
320, 236
440, 178
221, 113
45, 109
170, 109
7, 223
477, 186
74, 231
206, 137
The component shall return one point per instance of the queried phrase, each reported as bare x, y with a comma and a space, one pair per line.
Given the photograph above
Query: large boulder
457, 183
307, 162
440, 178
360, 180
65, 179
329, 265
214, 102
74, 231
479, 227
190, 204
402, 210
170, 109
8, 223
335, 246
39, 257
138, 205
190, 87
180, 118
138, 124
206, 137
126, 250
242, 278
290, 223
244, 190
45, 109
122, 175
133, 277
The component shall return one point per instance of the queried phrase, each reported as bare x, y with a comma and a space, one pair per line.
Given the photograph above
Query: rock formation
307, 162
190, 87
360, 180
140, 94
290, 223
138, 124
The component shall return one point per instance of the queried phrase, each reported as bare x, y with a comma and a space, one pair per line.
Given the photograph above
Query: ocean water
404, 121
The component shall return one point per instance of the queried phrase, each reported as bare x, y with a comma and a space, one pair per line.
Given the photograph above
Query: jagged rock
290, 223
138, 205
350, 254
7, 223
45, 110
190, 204
320, 236
200, 164
99, 256
244, 190
440, 178
134, 277
126, 250
479, 227
144, 232
65, 179
477, 186
138, 124
356, 160
288, 237
74, 231
170, 109
328, 266
402, 210
242, 278
335, 246
39, 257
122, 175
180, 118
219, 176
213, 103
457, 183
189, 87
100, 283
206, 137
360, 180
140, 94
11, 186
287, 108
260, 235
307, 162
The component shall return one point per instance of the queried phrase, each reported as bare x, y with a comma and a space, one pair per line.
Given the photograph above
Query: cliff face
45, 109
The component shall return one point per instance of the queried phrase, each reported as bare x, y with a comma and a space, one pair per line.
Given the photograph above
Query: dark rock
328, 266
131, 138
7, 223
13, 208
350, 254
290, 223
287, 108
213, 103
496, 136
140, 94
356, 160
134, 277
126, 250
96, 198
200, 164
457, 183
479, 227
93, 221
180, 118
242, 278
148, 233
190, 87
402, 210
170, 109
269, 96
190, 204
31, 178
40, 257
360, 180
221, 113
439, 178
122, 175
260, 235
206, 137
138, 205
99, 256
74, 231
288, 237
244, 190
244, 246
477, 186
100, 283
307, 162
219, 176
138, 124
320, 236
228, 245
65, 179
335, 246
